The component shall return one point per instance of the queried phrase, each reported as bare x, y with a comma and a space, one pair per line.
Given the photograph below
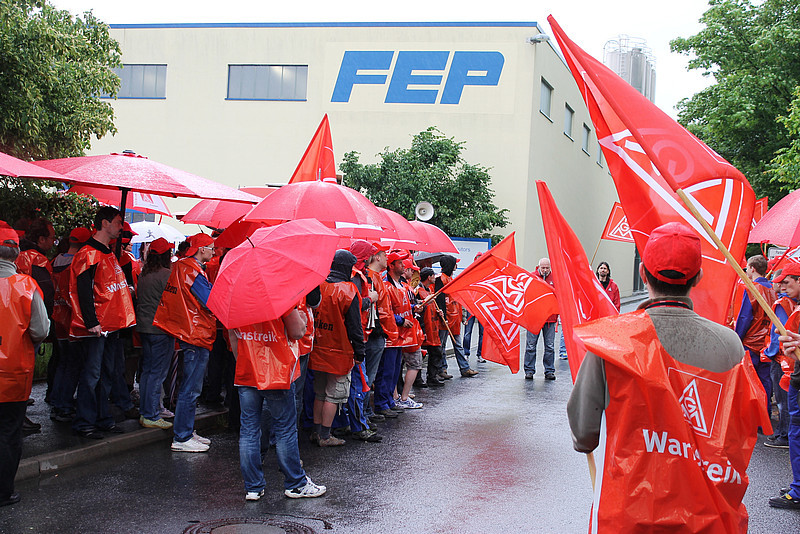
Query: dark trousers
782, 398
763, 372
12, 414
434, 360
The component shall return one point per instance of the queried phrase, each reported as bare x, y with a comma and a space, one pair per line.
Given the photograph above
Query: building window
599, 155
141, 81
267, 82
569, 113
585, 144
545, 98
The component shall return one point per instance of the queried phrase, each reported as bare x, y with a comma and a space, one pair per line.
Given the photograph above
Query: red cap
80, 235
363, 250
127, 228
8, 234
792, 268
160, 246
408, 264
672, 254
381, 248
196, 241
395, 256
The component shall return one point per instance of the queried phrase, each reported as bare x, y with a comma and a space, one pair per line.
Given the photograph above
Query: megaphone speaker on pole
424, 211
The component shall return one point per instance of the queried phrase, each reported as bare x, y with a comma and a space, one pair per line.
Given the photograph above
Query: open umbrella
17, 168
435, 239
270, 272
143, 202
236, 233
149, 231
216, 213
781, 224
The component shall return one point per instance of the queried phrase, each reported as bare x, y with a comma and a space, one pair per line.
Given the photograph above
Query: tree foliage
752, 50
786, 166
432, 170
52, 67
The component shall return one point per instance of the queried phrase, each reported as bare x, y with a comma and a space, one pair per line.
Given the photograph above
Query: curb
50, 463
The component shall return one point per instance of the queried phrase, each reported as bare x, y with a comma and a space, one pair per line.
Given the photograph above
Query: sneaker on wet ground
549, 376
254, 495
410, 404
166, 413
310, 490
189, 445
332, 441
469, 373
777, 443
528, 376
200, 439
157, 423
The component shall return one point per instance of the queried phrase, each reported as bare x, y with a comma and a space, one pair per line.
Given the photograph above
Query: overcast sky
589, 23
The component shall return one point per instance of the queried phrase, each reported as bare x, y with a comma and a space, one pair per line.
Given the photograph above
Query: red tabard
398, 298
16, 348
32, 258
179, 313
364, 293
675, 440
266, 358
787, 363
385, 315
430, 324
332, 352
136, 268
112, 297
453, 309
756, 335
307, 342
62, 310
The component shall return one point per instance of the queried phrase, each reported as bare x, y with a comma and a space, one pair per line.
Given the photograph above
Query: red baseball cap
381, 248
8, 234
126, 227
160, 246
792, 268
196, 241
80, 235
672, 253
408, 264
395, 256
363, 250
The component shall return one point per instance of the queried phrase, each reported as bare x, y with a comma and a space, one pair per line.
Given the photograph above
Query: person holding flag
648, 400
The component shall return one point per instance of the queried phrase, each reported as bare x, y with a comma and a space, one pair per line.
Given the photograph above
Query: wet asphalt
486, 454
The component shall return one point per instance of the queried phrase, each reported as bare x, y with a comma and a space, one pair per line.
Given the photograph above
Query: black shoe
132, 413
528, 376
785, 501
783, 491
31, 401
435, 382
89, 433
341, 431
419, 384
372, 426
377, 418
549, 376
481, 360
61, 417
368, 435
30, 426
11, 499
778, 443
388, 414
113, 429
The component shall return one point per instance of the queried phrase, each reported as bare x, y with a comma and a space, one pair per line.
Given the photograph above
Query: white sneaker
310, 490
410, 404
201, 439
189, 445
166, 413
254, 495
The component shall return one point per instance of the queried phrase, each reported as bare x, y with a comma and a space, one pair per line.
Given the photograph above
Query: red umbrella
144, 202
781, 224
403, 227
435, 239
216, 213
236, 233
17, 168
265, 276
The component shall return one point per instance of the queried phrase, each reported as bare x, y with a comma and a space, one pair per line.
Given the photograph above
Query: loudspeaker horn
424, 211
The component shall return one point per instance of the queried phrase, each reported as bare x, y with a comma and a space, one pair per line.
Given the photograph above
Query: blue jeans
94, 383
458, 349
386, 380
781, 397
531, 340
794, 442
562, 349
195, 361
157, 352
468, 336
374, 348
280, 405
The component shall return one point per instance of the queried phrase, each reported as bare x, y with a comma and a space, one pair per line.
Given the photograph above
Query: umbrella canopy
132, 172
143, 202
405, 230
781, 224
149, 231
435, 239
236, 233
216, 213
263, 278
11, 166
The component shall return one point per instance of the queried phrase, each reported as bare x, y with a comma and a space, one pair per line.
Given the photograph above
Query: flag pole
595, 251
736, 267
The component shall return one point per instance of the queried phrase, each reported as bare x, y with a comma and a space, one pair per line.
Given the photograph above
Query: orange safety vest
30, 258
453, 309
112, 298
16, 348
430, 324
675, 439
333, 352
266, 358
62, 309
179, 313
306, 343
398, 297
385, 315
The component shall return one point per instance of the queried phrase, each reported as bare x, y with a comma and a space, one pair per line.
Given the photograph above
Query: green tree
52, 67
786, 166
432, 170
752, 50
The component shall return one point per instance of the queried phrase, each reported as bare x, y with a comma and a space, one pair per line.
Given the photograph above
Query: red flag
317, 161
580, 295
761, 207
650, 156
617, 228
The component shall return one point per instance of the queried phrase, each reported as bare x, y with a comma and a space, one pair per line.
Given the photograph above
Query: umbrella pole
123, 200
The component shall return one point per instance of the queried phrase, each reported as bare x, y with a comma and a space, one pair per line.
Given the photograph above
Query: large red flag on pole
317, 162
580, 296
650, 157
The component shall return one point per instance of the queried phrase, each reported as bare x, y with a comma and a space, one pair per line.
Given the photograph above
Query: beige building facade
238, 103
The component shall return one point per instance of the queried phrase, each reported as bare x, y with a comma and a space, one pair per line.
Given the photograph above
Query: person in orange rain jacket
669, 404
24, 325
429, 318
452, 328
412, 355
101, 307
183, 314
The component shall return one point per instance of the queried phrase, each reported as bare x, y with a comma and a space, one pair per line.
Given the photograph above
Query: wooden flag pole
595, 252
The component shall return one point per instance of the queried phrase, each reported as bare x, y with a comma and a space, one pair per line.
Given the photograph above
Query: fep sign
466, 68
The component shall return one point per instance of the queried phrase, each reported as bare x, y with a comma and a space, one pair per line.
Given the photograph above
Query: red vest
307, 342
16, 348
266, 358
30, 258
136, 268
112, 297
676, 440
62, 310
398, 297
179, 313
385, 315
364, 293
430, 324
332, 352
453, 309
787, 363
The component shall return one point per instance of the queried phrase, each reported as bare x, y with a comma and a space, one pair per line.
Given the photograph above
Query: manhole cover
249, 525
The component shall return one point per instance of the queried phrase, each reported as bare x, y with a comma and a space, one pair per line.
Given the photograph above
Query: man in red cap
24, 325
183, 313
665, 393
